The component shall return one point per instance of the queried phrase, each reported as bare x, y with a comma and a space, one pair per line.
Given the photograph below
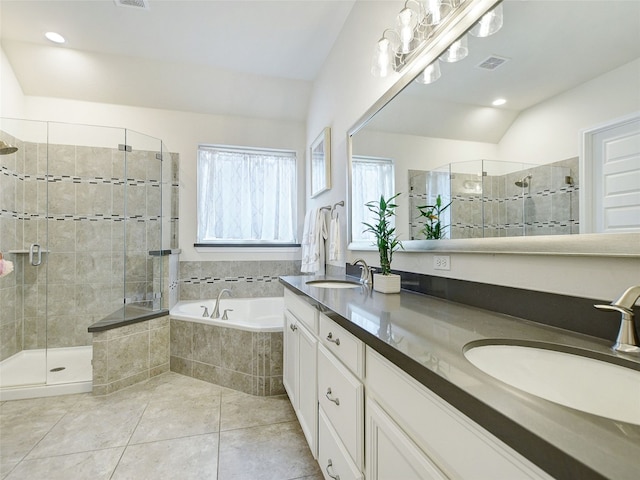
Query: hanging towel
335, 248
313, 236
6, 267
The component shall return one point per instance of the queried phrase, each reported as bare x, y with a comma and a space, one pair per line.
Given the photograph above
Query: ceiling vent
492, 62
144, 4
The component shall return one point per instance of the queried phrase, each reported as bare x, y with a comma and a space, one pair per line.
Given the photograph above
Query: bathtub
249, 314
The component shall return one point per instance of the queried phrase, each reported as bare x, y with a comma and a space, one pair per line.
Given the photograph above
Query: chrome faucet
216, 309
627, 340
365, 275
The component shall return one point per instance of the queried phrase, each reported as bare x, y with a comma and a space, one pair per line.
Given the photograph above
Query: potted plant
386, 241
433, 228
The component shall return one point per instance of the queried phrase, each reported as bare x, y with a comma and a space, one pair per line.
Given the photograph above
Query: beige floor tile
173, 419
20, 433
95, 465
181, 458
269, 452
241, 411
90, 429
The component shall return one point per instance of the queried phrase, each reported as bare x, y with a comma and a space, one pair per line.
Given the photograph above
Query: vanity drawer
332, 456
341, 397
303, 311
343, 345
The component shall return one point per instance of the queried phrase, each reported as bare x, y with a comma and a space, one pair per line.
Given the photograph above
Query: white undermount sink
333, 283
583, 383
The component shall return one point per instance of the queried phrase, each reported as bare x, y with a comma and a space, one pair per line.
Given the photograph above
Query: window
371, 177
246, 195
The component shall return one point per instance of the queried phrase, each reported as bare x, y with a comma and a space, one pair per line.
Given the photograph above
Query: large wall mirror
535, 174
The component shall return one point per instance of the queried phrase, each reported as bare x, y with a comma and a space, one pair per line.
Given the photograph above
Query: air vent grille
492, 62
144, 4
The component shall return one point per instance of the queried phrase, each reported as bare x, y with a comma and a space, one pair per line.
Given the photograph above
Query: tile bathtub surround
245, 279
131, 354
170, 426
250, 362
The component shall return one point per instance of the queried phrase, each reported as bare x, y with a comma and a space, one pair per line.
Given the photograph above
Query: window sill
248, 247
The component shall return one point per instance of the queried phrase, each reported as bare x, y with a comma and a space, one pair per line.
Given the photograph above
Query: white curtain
246, 195
370, 177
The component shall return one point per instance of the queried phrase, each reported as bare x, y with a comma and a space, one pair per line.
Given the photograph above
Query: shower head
6, 149
523, 183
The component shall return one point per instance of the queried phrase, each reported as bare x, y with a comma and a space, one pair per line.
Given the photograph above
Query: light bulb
457, 51
54, 37
489, 24
381, 66
429, 74
406, 20
437, 10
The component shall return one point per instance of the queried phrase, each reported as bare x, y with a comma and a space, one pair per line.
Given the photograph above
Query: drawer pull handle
330, 338
330, 465
293, 327
334, 400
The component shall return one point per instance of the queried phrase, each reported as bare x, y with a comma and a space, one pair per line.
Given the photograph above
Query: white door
614, 165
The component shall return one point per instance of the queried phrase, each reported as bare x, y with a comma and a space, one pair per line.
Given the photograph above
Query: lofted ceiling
176, 54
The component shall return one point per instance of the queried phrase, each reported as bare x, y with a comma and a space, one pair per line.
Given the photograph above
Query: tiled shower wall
494, 206
204, 280
75, 197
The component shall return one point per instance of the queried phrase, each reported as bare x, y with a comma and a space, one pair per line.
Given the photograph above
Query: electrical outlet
441, 262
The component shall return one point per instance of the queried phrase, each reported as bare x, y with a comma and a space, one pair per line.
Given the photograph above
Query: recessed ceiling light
55, 37
498, 101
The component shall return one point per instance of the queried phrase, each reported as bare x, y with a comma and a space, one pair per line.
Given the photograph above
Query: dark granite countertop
426, 336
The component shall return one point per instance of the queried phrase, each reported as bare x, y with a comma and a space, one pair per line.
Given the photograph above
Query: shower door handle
35, 254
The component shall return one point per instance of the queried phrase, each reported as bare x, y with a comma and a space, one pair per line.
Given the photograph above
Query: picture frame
320, 163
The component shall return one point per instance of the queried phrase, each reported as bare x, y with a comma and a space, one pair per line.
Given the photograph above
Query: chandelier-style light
414, 26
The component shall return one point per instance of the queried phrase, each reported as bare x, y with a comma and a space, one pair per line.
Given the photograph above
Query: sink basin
333, 283
593, 386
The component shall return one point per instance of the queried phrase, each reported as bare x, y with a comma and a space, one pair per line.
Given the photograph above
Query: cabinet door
391, 454
290, 354
307, 386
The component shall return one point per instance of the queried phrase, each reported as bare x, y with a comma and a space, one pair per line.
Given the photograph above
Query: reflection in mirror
497, 199
564, 68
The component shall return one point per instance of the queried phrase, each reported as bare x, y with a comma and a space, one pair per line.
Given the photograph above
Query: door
612, 170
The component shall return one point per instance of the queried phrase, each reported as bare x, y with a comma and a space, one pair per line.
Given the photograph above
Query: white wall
11, 95
552, 130
346, 89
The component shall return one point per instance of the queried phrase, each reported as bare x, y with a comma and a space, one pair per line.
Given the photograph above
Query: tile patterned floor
170, 427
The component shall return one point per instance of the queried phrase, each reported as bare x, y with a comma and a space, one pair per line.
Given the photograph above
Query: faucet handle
224, 315
615, 308
627, 340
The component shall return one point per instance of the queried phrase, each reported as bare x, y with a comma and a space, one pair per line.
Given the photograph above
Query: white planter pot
386, 283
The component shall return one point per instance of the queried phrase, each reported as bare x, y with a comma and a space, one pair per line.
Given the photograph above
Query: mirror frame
596, 244
323, 139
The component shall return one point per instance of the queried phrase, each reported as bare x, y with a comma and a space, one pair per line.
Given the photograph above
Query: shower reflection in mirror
498, 199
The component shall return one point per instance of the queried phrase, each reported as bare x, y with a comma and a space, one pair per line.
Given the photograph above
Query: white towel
6, 267
335, 247
313, 236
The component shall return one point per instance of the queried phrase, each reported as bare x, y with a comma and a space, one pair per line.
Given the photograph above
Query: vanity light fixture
429, 74
55, 37
457, 51
499, 101
415, 24
489, 24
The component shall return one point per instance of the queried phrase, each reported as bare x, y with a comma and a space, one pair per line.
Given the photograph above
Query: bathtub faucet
216, 309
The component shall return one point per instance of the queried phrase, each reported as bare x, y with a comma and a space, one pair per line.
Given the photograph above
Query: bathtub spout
216, 309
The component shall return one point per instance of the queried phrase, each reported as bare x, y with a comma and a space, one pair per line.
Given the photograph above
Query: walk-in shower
81, 208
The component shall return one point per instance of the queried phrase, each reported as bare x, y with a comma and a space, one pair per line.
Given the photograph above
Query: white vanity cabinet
300, 365
412, 430
341, 401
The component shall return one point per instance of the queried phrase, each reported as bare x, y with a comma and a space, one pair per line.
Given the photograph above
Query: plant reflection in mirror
385, 233
433, 228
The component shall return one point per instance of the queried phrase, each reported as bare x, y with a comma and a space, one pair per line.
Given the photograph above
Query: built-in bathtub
243, 353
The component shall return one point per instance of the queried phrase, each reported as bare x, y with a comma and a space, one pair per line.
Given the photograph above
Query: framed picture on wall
320, 159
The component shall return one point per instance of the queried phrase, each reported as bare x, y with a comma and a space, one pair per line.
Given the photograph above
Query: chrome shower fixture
6, 149
523, 183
